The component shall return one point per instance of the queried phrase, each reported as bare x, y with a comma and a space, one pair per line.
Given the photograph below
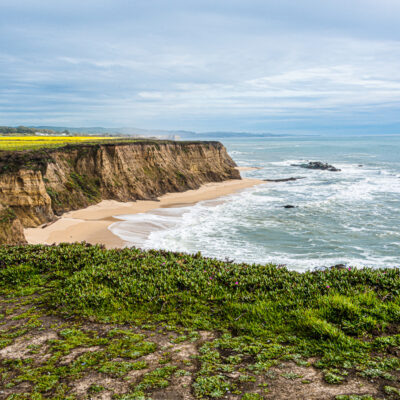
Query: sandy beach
247, 168
91, 224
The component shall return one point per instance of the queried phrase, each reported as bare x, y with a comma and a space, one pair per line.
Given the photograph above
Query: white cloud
228, 62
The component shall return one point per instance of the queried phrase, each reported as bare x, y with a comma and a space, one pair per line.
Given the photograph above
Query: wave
346, 217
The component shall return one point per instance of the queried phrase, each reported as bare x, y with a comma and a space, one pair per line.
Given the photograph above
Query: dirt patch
80, 387
22, 347
309, 384
76, 353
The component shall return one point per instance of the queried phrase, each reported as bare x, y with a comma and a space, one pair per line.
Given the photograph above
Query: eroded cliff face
11, 229
38, 187
24, 191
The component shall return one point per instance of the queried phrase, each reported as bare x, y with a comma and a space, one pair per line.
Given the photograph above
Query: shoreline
91, 224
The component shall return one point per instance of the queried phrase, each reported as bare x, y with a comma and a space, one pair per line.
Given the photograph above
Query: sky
280, 66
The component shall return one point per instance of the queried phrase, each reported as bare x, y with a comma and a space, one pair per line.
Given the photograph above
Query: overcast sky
233, 65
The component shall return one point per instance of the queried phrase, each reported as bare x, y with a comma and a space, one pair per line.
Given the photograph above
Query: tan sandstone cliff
36, 186
11, 229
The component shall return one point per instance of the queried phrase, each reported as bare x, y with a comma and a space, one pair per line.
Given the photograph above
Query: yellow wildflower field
36, 142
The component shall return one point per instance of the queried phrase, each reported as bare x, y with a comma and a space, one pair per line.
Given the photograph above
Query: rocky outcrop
24, 191
11, 229
37, 185
284, 179
317, 165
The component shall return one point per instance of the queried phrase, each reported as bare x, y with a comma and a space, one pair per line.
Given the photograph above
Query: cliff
37, 185
11, 229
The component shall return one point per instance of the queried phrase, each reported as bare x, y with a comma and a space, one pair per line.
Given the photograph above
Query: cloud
202, 65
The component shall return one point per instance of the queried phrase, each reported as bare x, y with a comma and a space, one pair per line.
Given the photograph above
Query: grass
346, 321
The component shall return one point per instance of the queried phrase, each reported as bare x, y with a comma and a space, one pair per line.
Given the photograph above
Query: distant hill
158, 132
130, 131
23, 130
235, 135
119, 131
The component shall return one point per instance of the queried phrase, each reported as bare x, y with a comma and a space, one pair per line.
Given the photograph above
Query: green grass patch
121, 368
347, 318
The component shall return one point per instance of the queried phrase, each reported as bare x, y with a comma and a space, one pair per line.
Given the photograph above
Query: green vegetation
24, 130
7, 215
343, 322
252, 396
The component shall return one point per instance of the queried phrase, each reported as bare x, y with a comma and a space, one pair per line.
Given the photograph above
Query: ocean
349, 217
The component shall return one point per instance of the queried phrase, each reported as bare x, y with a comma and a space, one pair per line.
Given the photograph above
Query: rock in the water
338, 266
289, 206
317, 165
284, 179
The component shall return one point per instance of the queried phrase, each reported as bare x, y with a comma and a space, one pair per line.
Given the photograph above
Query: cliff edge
35, 186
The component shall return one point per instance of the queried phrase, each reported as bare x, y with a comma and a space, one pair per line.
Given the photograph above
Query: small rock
284, 179
317, 165
338, 266
55, 219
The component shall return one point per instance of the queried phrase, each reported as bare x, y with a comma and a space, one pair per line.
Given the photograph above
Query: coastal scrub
261, 318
